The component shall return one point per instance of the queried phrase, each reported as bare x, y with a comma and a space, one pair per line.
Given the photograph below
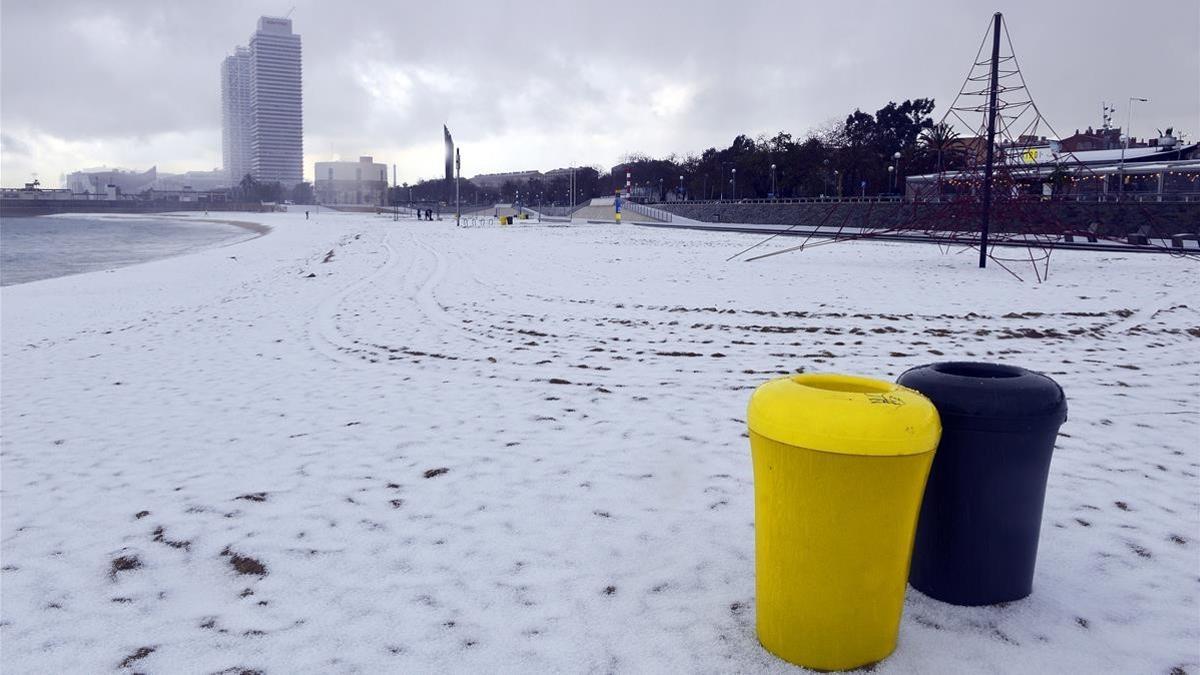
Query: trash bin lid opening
988, 395
844, 414
977, 370
844, 383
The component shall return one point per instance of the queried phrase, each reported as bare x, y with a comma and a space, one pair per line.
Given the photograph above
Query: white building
263, 106
98, 181
235, 114
363, 182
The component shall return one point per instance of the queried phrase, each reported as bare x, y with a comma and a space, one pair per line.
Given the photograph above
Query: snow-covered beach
359, 445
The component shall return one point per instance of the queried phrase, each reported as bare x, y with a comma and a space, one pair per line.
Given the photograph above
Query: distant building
98, 181
493, 181
352, 183
1099, 139
560, 173
34, 191
262, 111
193, 180
1158, 169
235, 114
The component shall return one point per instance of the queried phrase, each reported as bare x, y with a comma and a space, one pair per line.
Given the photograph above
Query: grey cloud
80, 71
14, 146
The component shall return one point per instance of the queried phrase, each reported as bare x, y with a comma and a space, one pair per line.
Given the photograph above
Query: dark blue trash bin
977, 536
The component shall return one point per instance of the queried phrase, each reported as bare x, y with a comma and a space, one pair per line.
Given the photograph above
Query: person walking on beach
306, 215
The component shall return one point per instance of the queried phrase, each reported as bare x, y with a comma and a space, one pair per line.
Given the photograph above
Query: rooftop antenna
289, 14
1106, 111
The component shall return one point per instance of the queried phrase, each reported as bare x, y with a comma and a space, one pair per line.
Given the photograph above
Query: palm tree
938, 139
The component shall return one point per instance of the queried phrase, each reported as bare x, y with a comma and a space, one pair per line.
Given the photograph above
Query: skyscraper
265, 124
235, 114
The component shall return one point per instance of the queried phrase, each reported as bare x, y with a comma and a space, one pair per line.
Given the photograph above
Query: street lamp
681, 187
660, 192
734, 182
892, 177
772, 181
896, 168
1125, 145
827, 178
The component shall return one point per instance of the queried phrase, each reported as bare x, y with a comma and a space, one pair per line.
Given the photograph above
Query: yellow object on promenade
840, 464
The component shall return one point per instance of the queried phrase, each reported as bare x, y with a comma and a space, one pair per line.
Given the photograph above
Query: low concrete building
99, 181
361, 183
494, 181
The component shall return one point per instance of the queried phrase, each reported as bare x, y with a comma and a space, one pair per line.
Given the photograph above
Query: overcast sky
135, 83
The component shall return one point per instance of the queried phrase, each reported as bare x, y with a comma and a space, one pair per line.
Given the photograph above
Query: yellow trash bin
840, 464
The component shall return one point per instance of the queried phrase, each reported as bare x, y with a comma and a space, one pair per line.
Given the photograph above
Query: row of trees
866, 154
589, 182
251, 190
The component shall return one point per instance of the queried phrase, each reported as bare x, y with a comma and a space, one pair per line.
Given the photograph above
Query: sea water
43, 247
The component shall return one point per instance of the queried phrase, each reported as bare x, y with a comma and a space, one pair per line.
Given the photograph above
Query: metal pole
457, 175
1125, 145
991, 140
394, 200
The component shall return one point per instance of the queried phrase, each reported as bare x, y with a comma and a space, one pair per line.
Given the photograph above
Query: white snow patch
584, 389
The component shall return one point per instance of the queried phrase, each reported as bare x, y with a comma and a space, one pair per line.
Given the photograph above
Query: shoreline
260, 229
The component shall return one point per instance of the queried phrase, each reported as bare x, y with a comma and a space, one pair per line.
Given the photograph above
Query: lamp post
734, 182
837, 178
772, 181
891, 178
826, 176
1125, 145
660, 188
681, 187
896, 170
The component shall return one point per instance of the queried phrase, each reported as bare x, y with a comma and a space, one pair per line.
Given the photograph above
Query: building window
330, 170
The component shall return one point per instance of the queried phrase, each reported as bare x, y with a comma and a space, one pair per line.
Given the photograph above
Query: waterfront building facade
361, 183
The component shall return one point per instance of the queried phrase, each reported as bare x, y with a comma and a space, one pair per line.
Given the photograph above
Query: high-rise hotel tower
235, 114
263, 126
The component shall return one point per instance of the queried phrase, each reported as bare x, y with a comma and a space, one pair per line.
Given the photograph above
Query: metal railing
788, 200
1141, 197
649, 211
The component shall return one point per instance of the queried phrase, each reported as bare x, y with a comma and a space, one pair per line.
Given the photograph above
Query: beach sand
358, 445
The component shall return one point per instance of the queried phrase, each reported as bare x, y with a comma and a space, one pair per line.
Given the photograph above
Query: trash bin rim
976, 370
845, 415
951, 386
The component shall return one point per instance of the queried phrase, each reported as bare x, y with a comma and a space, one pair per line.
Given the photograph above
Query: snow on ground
355, 445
